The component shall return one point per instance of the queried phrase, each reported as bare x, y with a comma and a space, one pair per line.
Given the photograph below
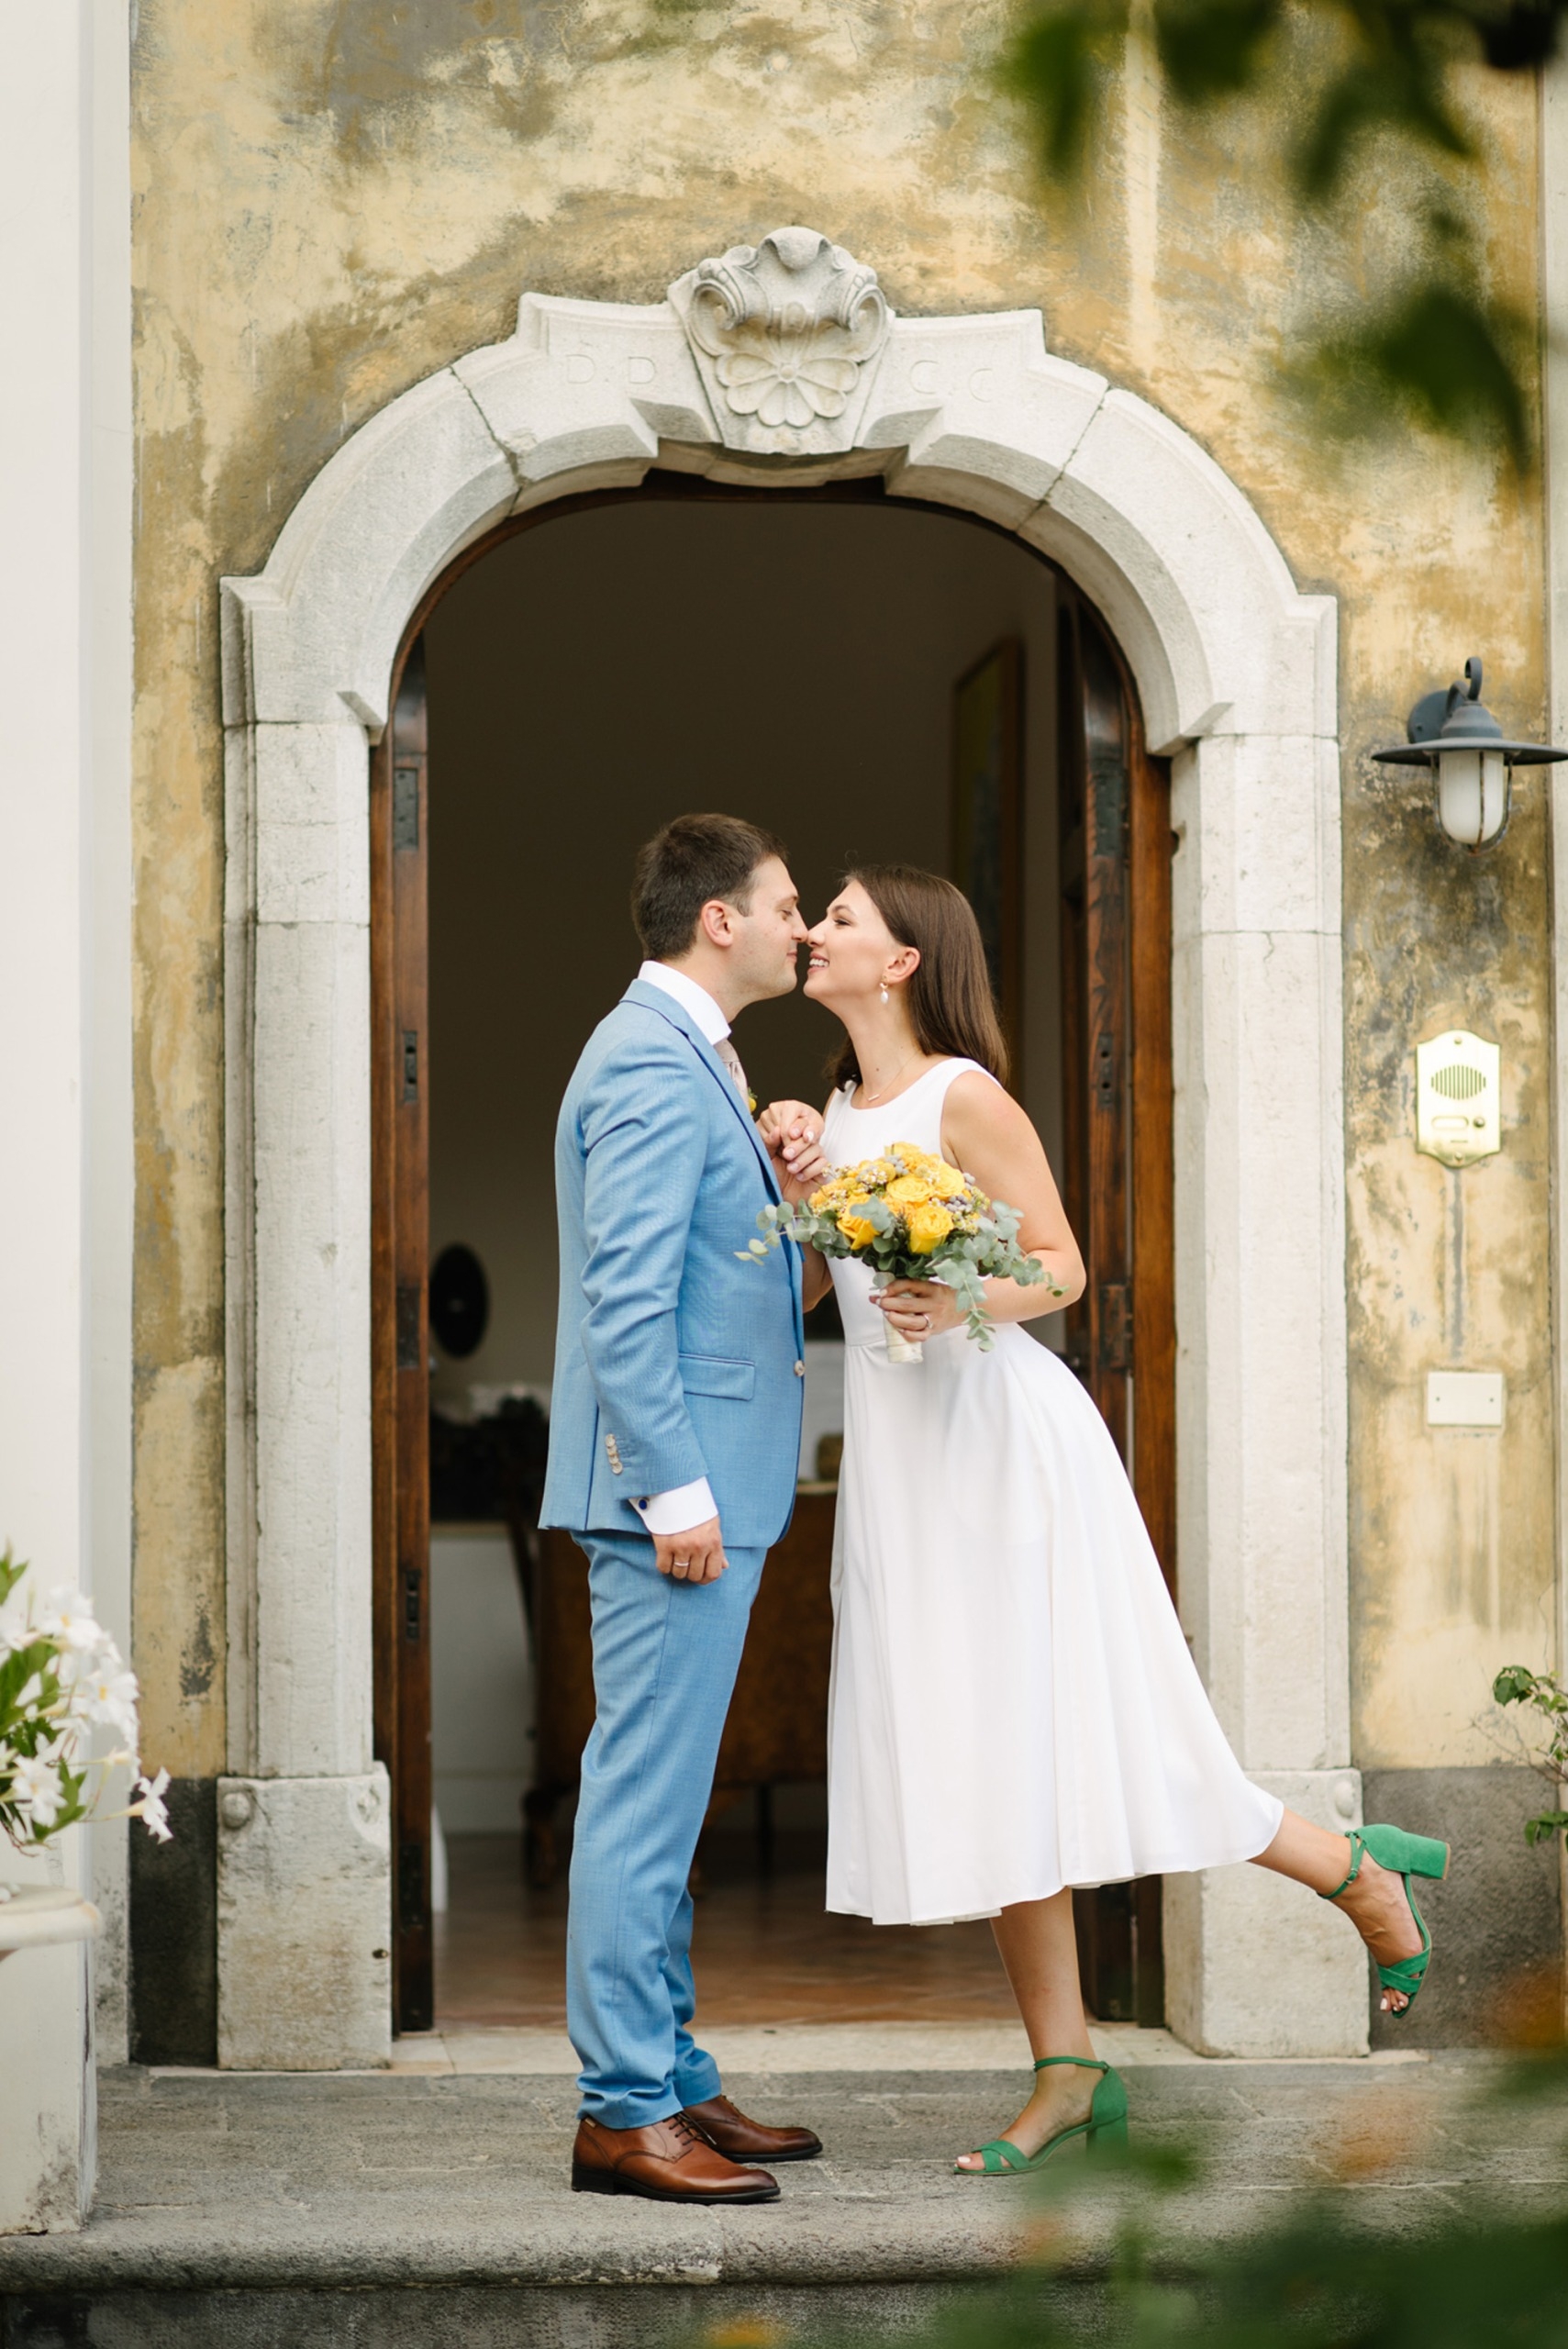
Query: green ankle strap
1357, 1854
1089, 2063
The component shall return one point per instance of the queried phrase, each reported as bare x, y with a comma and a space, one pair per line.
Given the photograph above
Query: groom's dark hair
681, 869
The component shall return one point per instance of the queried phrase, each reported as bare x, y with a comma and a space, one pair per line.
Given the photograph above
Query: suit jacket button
800, 1370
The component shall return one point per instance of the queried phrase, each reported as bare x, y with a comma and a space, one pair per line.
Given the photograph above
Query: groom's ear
716, 923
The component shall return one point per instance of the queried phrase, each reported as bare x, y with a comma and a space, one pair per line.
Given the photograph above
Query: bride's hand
919, 1310
791, 1136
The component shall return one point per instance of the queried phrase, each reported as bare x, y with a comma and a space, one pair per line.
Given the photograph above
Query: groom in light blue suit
674, 1448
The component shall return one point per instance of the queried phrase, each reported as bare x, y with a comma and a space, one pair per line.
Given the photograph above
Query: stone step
283, 2210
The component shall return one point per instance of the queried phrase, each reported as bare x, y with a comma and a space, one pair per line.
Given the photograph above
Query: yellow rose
908, 1191
947, 1183
928, 1227
855, 1227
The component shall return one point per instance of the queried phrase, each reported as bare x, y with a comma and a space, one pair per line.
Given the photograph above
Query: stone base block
303, 1924
47, 2075
1254, 1965
1496, 1925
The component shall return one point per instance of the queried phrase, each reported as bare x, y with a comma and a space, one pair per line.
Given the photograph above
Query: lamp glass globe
1473, 795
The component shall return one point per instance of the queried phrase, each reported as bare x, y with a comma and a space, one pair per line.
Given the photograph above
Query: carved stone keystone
782, 334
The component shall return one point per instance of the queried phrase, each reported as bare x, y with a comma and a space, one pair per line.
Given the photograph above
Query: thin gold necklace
866, 1098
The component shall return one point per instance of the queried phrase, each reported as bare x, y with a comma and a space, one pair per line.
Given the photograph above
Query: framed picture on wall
988, 815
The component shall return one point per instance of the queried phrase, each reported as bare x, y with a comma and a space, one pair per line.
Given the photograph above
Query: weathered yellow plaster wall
335, 197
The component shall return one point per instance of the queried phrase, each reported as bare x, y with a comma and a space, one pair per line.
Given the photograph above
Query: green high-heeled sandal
1407, 1856
1107, 2125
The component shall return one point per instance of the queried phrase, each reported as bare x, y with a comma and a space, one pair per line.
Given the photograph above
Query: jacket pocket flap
711, 1374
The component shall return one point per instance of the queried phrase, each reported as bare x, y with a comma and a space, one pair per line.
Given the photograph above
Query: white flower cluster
61, 1680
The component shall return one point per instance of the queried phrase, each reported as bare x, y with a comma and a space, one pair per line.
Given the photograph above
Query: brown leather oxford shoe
729, 2132
669, 2161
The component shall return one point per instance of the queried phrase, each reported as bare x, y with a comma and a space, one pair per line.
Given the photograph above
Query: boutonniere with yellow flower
750, 1101
911, 1216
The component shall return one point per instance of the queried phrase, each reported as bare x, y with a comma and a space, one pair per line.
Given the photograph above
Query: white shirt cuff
680, 1510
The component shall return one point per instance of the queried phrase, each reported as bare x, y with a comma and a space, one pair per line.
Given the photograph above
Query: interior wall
792, 662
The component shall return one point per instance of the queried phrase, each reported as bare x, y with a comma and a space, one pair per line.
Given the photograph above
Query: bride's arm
791, 1136
986, 1134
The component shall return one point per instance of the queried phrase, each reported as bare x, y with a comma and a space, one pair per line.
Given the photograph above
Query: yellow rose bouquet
911, 1216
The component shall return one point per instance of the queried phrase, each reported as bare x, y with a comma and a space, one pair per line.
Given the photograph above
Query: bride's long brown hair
950, 1004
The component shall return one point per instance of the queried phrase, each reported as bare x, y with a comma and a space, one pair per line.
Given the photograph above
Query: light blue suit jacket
672, 1359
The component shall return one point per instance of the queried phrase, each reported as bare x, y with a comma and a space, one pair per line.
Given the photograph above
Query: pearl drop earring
885, 990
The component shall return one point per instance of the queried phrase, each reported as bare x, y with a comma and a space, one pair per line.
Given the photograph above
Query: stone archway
782, 365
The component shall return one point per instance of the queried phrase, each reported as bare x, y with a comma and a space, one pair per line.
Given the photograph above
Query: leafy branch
1438, 348
1548, 1699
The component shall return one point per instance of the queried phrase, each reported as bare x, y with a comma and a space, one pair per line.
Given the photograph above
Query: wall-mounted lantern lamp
1456, 734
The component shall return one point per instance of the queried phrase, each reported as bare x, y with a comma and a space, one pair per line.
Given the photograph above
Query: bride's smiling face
853, 951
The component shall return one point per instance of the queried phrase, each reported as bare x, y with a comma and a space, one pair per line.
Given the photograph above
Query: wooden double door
1117, 1175
1114, 803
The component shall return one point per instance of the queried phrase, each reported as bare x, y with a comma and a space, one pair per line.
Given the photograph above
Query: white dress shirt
687, 1505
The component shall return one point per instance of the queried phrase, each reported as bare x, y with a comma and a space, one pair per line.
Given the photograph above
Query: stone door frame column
782, 364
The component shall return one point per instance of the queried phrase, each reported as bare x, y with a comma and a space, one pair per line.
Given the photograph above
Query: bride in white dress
1014, 1708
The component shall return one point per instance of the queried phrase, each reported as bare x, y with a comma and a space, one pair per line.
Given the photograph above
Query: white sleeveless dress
1014, 1707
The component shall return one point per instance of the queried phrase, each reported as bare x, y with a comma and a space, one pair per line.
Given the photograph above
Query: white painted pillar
65, 1173
1254, 1966
303, 1886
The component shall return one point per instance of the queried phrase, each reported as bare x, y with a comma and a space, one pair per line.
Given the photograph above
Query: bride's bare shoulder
977, 1106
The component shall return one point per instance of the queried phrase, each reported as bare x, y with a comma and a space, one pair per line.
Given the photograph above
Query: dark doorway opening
801, 660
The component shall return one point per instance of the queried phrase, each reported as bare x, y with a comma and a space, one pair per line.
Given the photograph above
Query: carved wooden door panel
1117, 1171
399, 1323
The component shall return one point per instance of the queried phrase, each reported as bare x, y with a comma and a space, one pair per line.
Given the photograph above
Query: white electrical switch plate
1458, 1098
1465, 1398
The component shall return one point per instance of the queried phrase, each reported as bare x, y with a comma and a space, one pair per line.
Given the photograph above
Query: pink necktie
731, 1059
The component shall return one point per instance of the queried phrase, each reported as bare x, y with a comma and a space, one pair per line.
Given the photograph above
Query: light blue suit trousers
665, 1657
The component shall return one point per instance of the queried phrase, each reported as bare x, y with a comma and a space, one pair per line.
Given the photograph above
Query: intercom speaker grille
1458, 1097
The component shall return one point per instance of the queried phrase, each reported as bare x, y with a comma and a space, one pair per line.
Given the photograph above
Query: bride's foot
1377, 1908
1062, 2100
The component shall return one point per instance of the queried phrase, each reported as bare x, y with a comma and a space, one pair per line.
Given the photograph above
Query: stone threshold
472, 2050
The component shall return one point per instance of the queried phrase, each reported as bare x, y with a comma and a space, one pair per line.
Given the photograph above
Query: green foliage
1346, 2270
12, 1569
1438, 349
1544, 1696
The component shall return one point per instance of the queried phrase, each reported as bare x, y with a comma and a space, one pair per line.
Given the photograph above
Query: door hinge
409, 1332
410, 1063
404, 806
1104, 1076
1114, 1351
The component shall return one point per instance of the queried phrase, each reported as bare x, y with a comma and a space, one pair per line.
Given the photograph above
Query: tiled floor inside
765, 1951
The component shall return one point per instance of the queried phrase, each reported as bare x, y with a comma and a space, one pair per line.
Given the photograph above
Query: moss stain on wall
335, 197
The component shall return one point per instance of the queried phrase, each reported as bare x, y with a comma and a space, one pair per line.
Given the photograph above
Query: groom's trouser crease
665, 1658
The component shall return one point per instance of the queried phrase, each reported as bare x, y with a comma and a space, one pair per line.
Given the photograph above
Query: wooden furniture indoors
777, 1729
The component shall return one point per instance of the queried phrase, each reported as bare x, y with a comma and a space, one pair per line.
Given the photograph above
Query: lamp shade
1472, 757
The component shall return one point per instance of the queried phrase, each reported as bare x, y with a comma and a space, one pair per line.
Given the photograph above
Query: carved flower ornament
787, 326
786, 377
